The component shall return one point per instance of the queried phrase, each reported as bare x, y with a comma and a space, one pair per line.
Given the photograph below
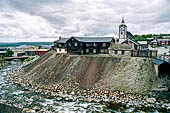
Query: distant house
41, 52
162, 67
60, 45
164, 42
143, 44
21, 54
154, 42
3, 51
30, 52
161, 42
89, 45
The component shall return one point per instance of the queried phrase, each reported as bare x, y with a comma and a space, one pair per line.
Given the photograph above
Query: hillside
133, 75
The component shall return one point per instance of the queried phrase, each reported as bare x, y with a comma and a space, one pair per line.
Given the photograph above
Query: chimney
60, 38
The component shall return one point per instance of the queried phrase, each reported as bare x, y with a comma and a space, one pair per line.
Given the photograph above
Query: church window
121, 33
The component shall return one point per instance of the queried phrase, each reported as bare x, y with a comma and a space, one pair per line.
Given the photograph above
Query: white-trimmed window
94, 44
75, 44
87, 50
59, 45
104, 44
87, 44
94, 50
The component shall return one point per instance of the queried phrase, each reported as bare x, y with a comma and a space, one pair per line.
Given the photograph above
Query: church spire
123, 21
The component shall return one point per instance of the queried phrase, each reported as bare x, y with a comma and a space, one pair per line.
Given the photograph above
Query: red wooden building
41, 52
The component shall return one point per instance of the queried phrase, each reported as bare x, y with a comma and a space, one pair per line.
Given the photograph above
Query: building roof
133, 41
23, 47
130, 35
165, 36
63, 40
154, 41
158, 61
94, 39
3, 49
163, 39
41, 49
143, 42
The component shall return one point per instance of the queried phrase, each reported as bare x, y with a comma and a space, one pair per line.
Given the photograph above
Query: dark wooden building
89, 45
60, 45
162, 68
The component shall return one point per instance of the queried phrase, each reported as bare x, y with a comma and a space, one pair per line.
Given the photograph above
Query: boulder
151, 100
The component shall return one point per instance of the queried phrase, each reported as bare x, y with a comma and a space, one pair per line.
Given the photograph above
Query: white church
123, 33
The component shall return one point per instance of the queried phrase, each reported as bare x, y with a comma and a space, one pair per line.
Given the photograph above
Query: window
87, 44
115, 51
81, 44
94, 50
94, 44
75, 44
121, 33
123, 52
104, 44
87, 50
106, 51
102, 50
59, 45
69, 44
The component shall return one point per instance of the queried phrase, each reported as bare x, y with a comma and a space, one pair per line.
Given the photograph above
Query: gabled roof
63, 40
133, 41
130, 35
94, 39
158, 61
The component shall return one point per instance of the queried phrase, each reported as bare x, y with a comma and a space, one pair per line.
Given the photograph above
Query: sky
46, 20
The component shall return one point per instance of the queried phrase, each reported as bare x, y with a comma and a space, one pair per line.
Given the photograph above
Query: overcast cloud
30, 20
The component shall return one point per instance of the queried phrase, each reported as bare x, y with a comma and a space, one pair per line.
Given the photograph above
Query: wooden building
3, 51
162, 68
40, 52
161, 42
30, 52
60, 45
89, 45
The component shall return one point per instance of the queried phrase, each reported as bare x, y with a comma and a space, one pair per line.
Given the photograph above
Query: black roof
62, 40
130, 34
159, 62
94, 39
131, 40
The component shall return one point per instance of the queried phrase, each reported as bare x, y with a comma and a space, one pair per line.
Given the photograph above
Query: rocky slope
133, 75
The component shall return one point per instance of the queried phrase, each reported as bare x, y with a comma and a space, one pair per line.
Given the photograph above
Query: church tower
122, 31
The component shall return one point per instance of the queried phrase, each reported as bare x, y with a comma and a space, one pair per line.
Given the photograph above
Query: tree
9, 53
